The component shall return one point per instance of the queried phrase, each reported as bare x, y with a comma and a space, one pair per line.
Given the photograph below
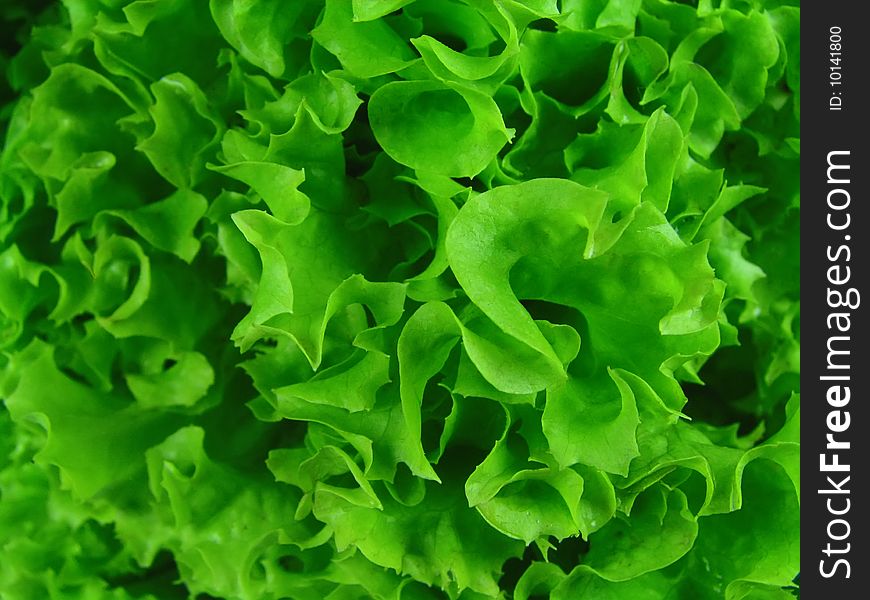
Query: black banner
834, 182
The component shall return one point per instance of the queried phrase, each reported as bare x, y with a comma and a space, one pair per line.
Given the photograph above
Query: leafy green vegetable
399, 299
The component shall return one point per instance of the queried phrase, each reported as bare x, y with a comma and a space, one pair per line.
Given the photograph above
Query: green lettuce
399, 299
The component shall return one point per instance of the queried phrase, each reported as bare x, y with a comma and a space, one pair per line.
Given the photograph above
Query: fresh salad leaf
399, 299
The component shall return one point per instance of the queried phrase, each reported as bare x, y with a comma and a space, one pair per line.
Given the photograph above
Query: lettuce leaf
399, 299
